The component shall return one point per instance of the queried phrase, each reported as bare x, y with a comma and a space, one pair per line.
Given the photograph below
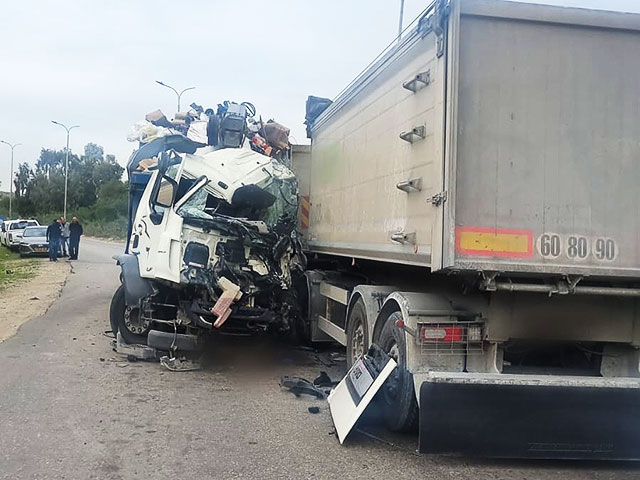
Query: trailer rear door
543, 162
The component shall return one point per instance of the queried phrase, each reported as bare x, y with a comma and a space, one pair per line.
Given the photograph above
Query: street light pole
176, 92
400, 20
66, 164
11, 179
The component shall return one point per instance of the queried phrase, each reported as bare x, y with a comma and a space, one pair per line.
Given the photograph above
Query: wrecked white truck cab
212, 247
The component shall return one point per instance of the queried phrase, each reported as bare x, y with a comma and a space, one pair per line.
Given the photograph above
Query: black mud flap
528, 421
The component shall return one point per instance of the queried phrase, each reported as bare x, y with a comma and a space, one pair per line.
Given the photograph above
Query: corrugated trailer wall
358, 160
547, 160
538, 144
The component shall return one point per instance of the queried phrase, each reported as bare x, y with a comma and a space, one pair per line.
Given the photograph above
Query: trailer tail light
458, 338
441, 334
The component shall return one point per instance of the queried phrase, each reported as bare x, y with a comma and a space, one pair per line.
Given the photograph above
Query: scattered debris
299, 386
34, 298
230, 293
179, 364
323, 380
348, 401
338, 357
140, 352
314, 410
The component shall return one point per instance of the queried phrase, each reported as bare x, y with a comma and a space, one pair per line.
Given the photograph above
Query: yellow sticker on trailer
494, 242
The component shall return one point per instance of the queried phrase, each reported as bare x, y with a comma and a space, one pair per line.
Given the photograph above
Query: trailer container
470, 204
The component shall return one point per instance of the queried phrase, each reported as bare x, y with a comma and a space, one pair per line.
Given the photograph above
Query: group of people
64, 238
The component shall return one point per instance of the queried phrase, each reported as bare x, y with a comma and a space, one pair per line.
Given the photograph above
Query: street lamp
178, 94
11, 179
66, 164
400, 20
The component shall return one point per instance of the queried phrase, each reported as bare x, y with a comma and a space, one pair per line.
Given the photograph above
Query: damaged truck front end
213, 246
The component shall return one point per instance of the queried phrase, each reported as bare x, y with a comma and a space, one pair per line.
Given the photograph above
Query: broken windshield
195, 206
273, 205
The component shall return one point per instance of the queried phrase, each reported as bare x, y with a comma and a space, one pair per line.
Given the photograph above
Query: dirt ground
31, 297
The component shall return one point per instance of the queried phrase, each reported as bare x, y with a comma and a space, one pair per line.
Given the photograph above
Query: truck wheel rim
357, 342
133, 322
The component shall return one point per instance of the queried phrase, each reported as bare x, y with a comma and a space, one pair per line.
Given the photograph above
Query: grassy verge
13, 268
113, 229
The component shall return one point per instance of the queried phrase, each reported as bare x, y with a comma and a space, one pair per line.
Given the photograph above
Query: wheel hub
134, 322
357, 343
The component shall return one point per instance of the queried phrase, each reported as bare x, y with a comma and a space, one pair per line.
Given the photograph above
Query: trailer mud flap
529, 421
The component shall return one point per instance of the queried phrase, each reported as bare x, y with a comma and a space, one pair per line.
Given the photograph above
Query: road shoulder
31, 297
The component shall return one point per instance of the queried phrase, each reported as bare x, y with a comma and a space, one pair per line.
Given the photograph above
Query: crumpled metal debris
230, 293
299, 386
182, 364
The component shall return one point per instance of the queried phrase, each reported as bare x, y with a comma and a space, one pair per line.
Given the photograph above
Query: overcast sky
94, 63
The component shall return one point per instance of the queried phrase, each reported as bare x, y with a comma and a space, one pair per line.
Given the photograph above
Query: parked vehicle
4, 230
14, 232
470, 204
34, 242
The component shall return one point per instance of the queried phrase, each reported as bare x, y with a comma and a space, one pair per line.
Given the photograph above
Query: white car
4, 229
13, 235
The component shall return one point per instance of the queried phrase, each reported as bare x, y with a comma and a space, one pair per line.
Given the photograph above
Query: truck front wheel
126, 320
397, 394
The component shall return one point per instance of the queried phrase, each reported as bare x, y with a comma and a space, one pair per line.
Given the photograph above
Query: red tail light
442, 334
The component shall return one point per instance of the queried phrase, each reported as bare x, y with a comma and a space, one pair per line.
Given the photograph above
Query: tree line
96, 193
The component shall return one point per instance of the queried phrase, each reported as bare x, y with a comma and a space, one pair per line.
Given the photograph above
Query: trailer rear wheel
397, 394
357, 333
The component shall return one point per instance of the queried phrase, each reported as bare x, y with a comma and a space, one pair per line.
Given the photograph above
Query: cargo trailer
470, 204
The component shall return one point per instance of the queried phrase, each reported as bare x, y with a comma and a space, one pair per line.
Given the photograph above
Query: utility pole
400, 20
66, 164
176, 92
11, 179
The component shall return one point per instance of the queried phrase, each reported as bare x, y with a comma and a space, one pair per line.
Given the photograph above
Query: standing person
64, 241
75, 232
54, 234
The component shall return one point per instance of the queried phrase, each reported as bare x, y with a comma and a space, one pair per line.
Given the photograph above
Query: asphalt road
70, 408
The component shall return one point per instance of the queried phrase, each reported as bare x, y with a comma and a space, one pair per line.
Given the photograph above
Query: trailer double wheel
397, 397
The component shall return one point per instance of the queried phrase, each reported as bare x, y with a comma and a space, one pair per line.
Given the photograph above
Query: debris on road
140, 352
323, 380
348, 401
314, 410
299, 386
181, 364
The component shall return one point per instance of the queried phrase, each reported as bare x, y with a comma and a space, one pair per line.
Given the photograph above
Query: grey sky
94, 63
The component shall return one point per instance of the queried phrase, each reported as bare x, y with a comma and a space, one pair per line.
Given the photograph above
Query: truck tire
397, 396
357, 332
124, 319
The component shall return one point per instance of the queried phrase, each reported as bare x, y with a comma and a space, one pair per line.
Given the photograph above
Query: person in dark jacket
75, 232
54, 235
